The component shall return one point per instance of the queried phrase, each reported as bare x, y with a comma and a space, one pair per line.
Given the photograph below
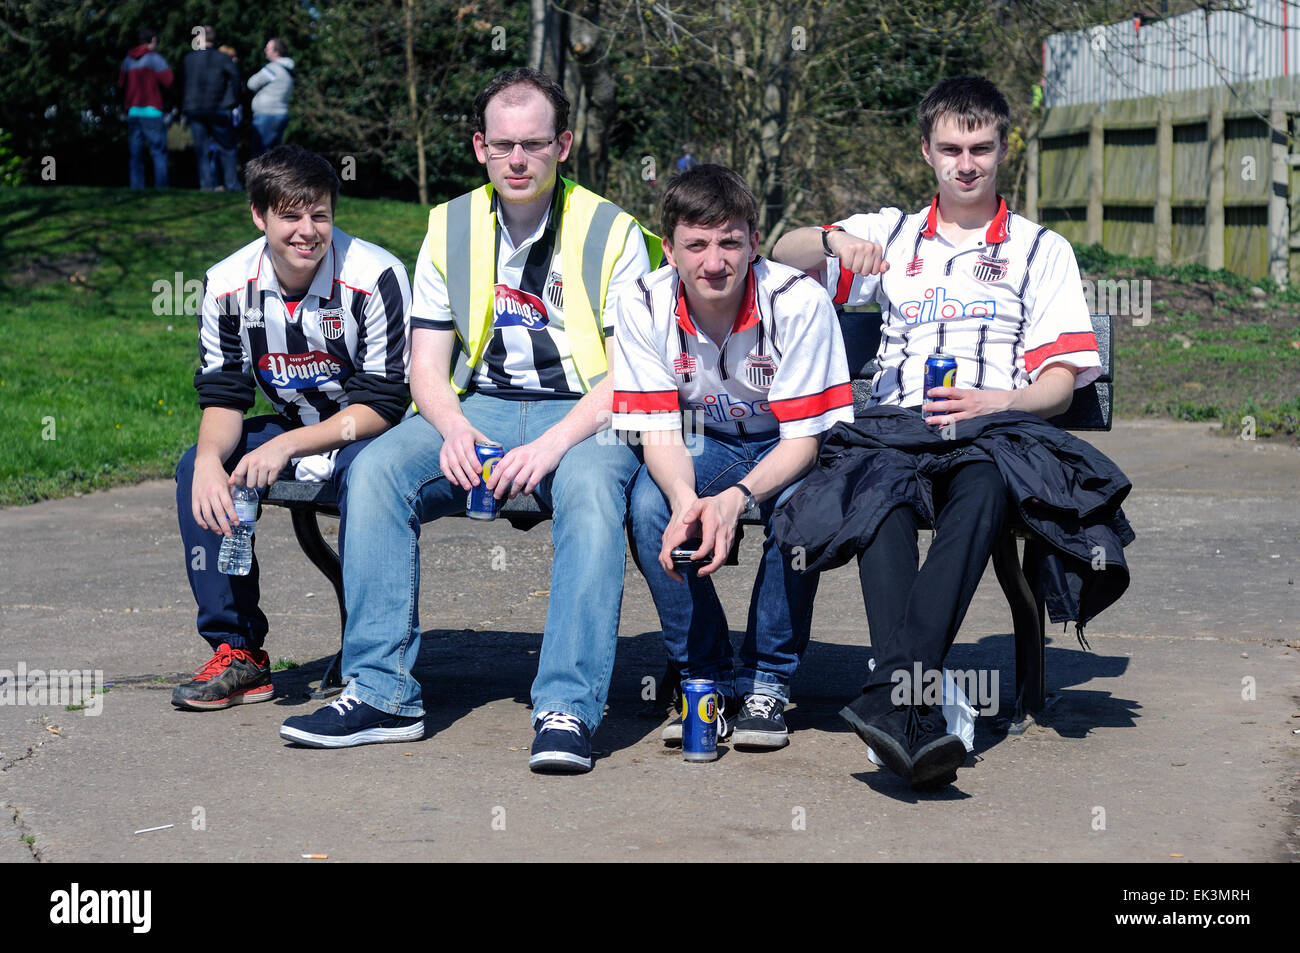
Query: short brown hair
524, 77
707, 195
970, 101
289, 177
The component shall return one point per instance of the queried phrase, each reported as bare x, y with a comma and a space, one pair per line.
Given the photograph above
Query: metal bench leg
1035, 652
323, 557
1026, 619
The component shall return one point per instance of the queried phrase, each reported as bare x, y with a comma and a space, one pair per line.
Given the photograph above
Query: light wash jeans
397, 484
694, 626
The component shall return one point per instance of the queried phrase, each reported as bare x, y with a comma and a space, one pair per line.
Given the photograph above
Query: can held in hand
481, 504
699, 720
940, 371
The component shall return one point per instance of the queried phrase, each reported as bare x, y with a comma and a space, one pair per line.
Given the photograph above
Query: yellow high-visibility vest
591, 234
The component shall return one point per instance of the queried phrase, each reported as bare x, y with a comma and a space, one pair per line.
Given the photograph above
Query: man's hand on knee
210, 501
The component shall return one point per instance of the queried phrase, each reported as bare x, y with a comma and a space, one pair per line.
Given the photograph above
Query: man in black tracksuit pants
967, 277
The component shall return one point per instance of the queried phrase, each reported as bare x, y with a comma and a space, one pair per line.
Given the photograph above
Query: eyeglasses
503, 148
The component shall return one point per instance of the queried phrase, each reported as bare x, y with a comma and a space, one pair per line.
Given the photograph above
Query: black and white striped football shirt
346, 342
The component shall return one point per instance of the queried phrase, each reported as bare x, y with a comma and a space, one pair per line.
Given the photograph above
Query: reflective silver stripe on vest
457, 280
593, 254
593, 261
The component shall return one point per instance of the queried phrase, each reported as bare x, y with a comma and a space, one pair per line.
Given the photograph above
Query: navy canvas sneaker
347, 721
562, 745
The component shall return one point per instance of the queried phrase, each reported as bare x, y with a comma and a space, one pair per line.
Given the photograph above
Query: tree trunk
598, 90
420, 172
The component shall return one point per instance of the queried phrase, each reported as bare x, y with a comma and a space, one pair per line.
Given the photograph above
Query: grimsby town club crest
759, 369
988, 268
555, 290
331, 322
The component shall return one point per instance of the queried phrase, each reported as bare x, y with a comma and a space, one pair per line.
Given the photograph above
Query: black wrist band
826, 245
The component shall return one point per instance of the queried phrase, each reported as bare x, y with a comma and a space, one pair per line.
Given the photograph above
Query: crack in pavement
25, 834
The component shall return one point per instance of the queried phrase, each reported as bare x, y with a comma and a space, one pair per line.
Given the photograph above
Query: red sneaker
230, 677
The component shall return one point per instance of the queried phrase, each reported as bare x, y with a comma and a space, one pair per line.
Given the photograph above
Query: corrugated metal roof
1192, 51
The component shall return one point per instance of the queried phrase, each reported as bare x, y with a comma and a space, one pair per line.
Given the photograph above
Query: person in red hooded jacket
143, 77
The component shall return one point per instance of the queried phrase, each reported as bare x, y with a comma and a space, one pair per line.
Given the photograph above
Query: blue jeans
228, 605
694, 626
268, 128
216, 129
147, 133
397, 485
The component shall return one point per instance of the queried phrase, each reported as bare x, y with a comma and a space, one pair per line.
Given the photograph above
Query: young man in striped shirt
1002, 295
315, 320
753, 350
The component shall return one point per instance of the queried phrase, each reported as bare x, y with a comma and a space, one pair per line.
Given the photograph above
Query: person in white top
753, 350
1002, 295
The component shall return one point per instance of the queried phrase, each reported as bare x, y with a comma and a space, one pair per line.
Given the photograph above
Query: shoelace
220, 662
914, 728
344, 703
760, 705
559, 721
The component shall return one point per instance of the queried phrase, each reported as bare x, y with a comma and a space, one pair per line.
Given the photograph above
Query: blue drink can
699, 720
940, 371
481, 504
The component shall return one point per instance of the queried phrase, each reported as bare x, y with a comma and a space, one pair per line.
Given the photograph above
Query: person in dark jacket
143, 77
211, 93
1002, 295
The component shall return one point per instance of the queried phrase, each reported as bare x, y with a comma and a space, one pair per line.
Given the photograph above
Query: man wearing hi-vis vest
513, 305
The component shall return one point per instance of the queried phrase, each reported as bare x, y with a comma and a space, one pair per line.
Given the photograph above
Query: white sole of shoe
370, 736
759, 739
561, 761
671, 732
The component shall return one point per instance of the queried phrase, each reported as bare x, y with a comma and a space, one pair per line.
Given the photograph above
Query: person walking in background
143, 77
211, 94
271, 86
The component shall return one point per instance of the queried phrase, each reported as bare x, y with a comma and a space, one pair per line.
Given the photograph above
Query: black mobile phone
681, 555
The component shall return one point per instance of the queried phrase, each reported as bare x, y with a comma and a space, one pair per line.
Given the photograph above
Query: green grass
96, 389
283, 665
1214, 348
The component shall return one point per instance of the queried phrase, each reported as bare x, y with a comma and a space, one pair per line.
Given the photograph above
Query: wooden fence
1206, 176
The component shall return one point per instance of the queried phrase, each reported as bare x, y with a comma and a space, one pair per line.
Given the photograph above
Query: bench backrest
1090, 410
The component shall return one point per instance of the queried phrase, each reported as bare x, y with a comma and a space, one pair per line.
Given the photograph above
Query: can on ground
699, 720
481, 504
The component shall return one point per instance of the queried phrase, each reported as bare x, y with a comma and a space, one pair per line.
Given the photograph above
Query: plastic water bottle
236, 556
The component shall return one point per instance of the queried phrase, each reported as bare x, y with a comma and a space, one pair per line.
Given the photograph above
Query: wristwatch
750, 502
826, 231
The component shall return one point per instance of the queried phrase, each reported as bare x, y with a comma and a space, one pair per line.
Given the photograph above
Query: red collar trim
683, 312
932, 219
997, 230
995, 234
746, 317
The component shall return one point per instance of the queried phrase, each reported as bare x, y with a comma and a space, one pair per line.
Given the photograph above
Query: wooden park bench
1017, 574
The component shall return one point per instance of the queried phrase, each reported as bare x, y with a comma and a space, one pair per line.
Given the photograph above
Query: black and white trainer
760, 723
